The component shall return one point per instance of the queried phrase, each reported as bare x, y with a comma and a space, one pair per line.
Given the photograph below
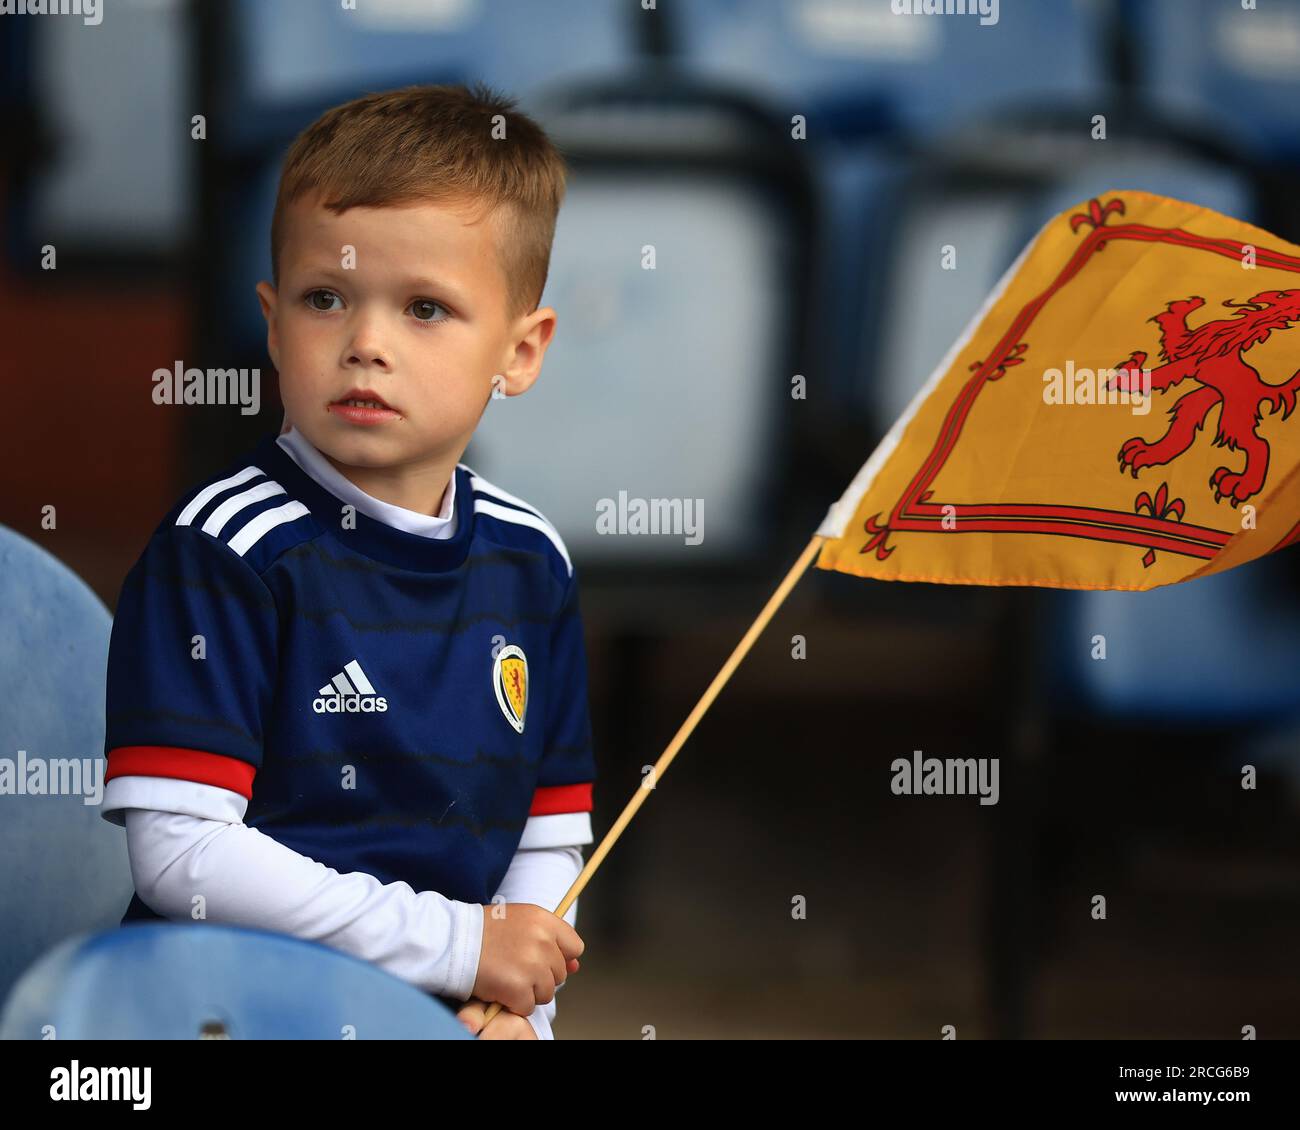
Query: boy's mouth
362, 406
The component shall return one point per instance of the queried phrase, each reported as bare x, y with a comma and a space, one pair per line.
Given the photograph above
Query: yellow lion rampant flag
1117, 416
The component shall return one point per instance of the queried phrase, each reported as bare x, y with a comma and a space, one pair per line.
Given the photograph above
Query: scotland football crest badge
510, 679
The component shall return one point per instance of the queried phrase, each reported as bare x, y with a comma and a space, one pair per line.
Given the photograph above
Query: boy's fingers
489, 1031
506, 1025
559, 971
570, 942
472, 1016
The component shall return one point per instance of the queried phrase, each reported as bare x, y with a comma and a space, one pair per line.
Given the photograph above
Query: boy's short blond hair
436, 144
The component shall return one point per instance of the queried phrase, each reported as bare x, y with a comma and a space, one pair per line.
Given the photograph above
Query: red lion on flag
1214, 355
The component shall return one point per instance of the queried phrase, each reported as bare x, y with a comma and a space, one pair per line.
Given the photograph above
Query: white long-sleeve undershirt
247, 878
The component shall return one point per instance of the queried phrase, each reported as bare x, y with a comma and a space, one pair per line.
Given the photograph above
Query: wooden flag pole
679, 739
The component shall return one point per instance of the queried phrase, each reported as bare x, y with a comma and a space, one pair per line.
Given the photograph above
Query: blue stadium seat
616, 386
170, 981
1221, 651
65, 869
1231, 70
670, 382
296, 57
830, 59
108, 175
859, 193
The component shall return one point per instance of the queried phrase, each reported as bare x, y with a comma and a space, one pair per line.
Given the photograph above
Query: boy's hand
527, 951
503, 1026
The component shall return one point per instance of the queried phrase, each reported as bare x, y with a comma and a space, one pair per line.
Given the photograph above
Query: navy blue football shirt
380, 701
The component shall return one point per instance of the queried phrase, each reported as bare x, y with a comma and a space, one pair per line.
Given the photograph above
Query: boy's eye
423, 309
312, 295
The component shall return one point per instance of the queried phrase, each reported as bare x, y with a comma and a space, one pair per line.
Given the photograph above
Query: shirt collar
314, 464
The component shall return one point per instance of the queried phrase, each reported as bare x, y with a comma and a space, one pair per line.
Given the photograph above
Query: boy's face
416, 316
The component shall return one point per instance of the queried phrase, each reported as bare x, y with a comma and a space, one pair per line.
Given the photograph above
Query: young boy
347, 687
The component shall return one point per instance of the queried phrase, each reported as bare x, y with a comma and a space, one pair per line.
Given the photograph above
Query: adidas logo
349, 692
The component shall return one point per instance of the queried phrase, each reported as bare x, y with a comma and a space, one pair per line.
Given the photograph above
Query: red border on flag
916, 511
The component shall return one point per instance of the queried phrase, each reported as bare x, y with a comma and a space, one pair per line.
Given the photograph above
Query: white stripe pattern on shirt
266, 521
209, 492
477, 482
530, 516
233, 505
523, 518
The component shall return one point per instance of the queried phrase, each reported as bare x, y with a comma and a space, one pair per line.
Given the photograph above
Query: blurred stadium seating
833, 59
1234, 78
776, 256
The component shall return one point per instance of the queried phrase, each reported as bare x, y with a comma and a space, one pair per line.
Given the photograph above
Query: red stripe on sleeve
552, 799
184, 764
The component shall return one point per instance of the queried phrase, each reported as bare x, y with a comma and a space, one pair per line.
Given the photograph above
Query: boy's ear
533, 335
266, 295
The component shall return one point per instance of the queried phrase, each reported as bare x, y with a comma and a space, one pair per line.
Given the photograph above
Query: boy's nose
367, 353
367, 346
